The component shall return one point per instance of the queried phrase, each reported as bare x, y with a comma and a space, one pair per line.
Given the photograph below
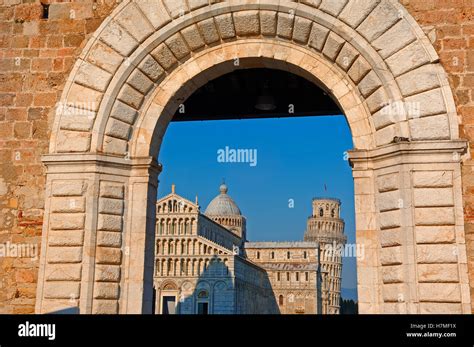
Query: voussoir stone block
356, 11
313, 3
418, 80
302, 30
83, 98
73, 141
386, 116
408, 58
394, 39
388, 182
64, 255
430, 128
431, 197
68, 205
70, 221
318, 36
109, 239
118, 38
247, 23
68, 188
359, 69
434, 216
390, 237
124, 112
108, 255
393, 292
385, 135
193, 37
225, 25
135, 22
347, 56
379, 21
333, 7
439, 292
389, 200
140, 81
107, 273
151, 68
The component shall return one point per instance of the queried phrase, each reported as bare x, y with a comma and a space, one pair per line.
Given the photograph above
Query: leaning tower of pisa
326, 227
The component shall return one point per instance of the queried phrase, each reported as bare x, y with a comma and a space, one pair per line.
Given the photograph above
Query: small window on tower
273, 255
321, 212
305, 254
306, 275
258, 255
333, 213
288, 255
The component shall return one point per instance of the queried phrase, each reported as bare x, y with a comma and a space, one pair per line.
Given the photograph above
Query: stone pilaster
91, 259
409, 219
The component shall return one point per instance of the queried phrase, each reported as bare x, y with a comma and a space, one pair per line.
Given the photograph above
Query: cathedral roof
222, 205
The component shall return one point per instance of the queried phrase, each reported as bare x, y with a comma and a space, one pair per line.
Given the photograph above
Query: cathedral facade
205, 265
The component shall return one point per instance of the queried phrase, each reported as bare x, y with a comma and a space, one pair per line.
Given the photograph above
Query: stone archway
147, 57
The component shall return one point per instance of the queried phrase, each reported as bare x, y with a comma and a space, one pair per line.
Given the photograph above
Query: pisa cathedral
204, 263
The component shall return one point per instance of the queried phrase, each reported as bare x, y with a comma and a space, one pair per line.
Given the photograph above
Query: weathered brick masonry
36, 57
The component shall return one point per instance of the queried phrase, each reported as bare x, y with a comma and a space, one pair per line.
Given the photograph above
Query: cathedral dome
222, 205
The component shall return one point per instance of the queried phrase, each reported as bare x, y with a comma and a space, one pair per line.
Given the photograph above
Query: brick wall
36, 55
450, 26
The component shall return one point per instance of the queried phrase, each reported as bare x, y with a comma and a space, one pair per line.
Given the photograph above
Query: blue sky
296, 158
